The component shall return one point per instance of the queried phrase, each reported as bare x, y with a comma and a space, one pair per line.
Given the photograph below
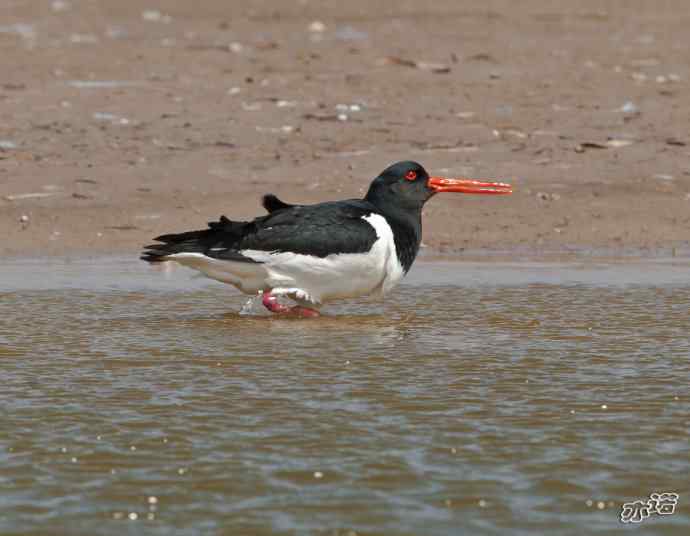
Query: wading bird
321, 252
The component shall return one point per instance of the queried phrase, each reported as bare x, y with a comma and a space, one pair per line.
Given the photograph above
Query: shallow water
489, 398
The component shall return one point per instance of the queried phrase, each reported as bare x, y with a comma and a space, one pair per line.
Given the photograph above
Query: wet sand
124, 120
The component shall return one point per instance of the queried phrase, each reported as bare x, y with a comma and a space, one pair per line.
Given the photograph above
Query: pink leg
271, 303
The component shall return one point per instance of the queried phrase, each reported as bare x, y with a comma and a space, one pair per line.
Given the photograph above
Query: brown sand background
218, 102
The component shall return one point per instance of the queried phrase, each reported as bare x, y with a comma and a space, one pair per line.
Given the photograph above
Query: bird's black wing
319, 230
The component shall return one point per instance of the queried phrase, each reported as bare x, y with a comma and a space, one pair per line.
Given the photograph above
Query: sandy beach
120, 121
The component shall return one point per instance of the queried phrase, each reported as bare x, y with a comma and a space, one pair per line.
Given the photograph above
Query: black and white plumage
316, 253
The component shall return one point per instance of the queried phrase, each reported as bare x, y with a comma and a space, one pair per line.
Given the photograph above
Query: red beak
468, 186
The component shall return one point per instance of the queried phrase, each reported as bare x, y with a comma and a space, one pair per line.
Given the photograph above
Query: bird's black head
404, 184
407, 185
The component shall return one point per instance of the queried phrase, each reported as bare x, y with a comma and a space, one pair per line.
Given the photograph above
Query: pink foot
271, 303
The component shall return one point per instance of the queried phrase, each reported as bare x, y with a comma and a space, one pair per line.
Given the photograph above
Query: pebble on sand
317, 27
7, 144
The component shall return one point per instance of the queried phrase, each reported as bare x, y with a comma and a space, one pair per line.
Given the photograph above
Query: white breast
393, 270
342, 275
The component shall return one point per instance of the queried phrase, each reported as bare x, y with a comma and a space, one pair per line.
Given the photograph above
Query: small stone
285, 104
24, 218
317, 27
59, 5
482, 503
318, 474
515, 133
7, 144
618, 143
629, 108
151, 15
83, 38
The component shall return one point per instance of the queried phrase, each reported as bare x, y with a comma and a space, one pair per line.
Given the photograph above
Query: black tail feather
271, 203
222, 236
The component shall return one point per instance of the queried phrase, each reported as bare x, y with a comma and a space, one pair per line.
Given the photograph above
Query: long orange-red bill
468, 186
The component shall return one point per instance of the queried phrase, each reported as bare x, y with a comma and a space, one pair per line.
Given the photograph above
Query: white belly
309, 278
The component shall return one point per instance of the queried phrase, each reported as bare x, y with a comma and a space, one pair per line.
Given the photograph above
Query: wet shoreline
27, 273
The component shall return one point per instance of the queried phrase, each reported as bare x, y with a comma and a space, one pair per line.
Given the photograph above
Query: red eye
411, 175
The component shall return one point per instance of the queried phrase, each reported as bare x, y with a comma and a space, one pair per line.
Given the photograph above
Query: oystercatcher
316, 253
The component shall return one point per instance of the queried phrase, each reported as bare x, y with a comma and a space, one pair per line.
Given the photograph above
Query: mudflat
120, 121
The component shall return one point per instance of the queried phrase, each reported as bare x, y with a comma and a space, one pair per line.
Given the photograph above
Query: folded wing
318, 230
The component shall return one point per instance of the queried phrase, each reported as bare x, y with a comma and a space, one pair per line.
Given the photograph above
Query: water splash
252, 306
